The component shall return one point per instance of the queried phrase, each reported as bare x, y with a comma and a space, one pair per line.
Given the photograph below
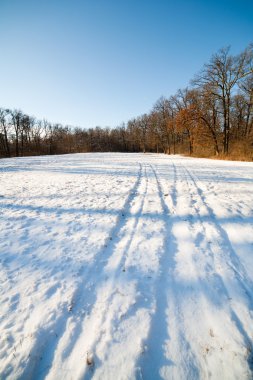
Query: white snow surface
126, 266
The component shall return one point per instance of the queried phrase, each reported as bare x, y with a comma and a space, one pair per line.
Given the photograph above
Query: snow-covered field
126, 266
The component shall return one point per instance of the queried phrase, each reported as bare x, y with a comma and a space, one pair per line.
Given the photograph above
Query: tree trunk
6, 142
17, 145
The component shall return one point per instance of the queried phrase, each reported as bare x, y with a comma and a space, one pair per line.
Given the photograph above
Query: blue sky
102, 62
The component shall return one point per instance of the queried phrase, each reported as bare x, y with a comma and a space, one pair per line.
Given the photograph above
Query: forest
212, 117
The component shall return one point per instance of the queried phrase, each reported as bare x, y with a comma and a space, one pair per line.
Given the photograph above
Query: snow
126, 266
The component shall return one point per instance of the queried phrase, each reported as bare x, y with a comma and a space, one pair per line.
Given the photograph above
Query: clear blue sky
102, 62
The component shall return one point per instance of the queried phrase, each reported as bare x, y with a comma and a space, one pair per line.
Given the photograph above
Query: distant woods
212, 117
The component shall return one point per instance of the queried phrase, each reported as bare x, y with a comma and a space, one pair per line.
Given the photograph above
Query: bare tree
16, 116
221, 75
246, 87
4, 132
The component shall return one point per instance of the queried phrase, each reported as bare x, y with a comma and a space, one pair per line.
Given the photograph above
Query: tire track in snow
41, 356
218, 292
155, 360
232, 260
143, 295
147, 288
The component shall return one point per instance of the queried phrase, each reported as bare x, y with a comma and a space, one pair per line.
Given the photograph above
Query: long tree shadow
233, 219
83, 298
46, 346
99, 273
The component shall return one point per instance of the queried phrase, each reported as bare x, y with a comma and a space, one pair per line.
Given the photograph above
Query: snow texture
126, 266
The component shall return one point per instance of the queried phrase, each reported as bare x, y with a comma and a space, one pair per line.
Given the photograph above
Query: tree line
213, 116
